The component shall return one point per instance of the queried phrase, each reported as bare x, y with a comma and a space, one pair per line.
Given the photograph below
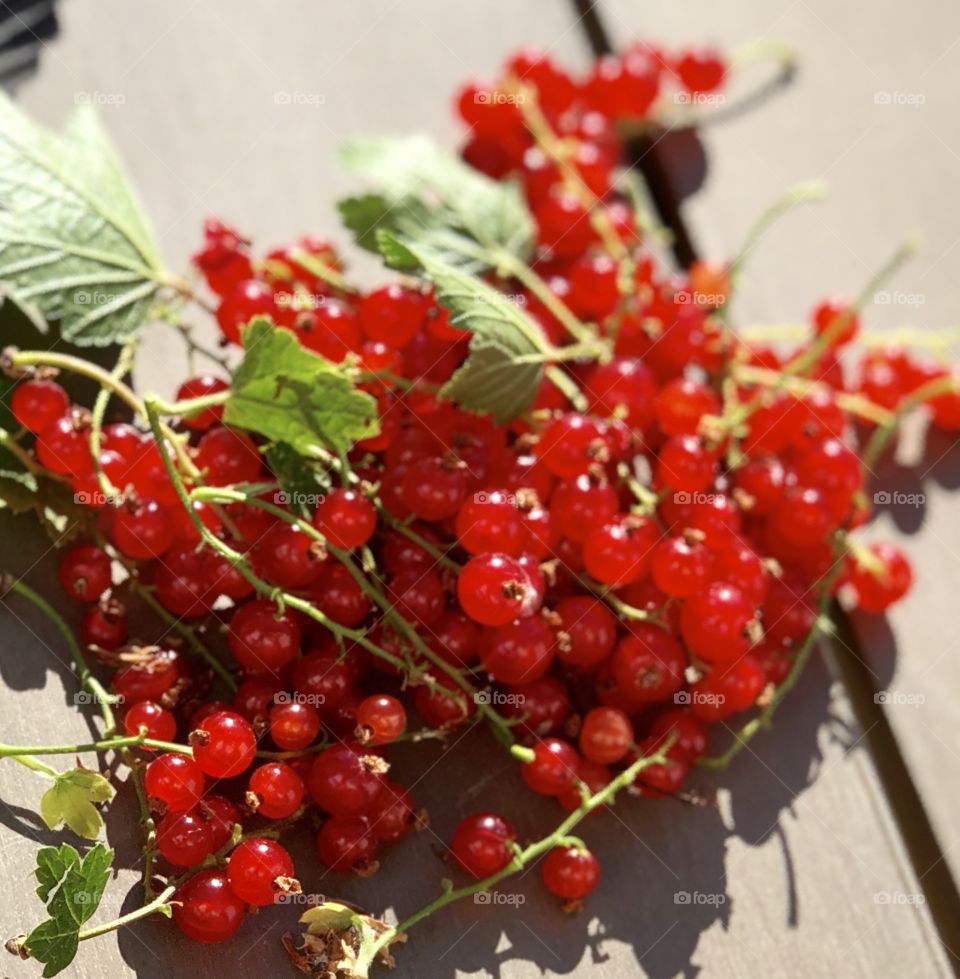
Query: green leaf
302, 484
501, 375
291, 395
434, 198
18, 488
72, 889
73, 242
71, 799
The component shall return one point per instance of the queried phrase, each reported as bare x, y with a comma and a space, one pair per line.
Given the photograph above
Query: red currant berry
606, 735
224, 745
184, 839
206, 909
481, 844
260, 640
151, 720
714, 623
276, 790
175, 780
570, 873
345, 782
85, 573
493, 589
553, 768
294, 726
380, 719
227, 456
200, 387
345, 843
254, 868
38, 404
346, 518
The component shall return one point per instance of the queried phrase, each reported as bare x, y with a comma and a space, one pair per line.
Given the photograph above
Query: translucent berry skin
345, 843
619, 553
647, 666
199, 387
518, 652
829, 313
381, 718
141, 530
713, 623
681, 403
259, 641
580, 505
392, 315
63, 447
433, 488
324, 676
221, 816
542, 706
226, 746
159, 724
184, 839
253, 867
206, 909
85, 573
685, 464
393, 814
288, 557
228, 456
493, 589
480, 844
590, 632
278, 789
418, 596
342, 782
625, 384
346, 518
104, 626
490, 521
727, 690
701, 70
679, 567
294, 726
553, 769
570, 445
690, 733
175, 780
241, 304
570, 873
878, 588
606, 735
38, 403
147, 682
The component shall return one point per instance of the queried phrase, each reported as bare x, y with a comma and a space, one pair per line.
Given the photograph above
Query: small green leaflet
73, 242
501, 375
291, 395
433, 197
71, 888
71, 799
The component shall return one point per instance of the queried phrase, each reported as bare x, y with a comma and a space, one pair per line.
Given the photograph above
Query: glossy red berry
346, 843
150, 719
260, 640
493, 589
294, 725
714, 623
882, 578
227, 456
184, 838
206, 908
346, 518
175, 780
199, 387
588, 631
37, 404
257, 869
570, 873
85, 573
276, 790
481, 844
380, 719
344, 781
224, 745
606, 735
553, 768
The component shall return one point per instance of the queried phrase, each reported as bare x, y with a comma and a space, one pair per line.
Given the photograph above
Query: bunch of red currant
602, 579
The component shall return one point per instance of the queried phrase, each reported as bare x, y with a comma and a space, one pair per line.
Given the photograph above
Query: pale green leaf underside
73, 242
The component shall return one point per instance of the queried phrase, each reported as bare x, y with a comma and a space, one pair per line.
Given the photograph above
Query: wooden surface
793, 867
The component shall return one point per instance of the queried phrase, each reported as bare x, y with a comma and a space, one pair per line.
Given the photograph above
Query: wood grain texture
787, 873
873, 112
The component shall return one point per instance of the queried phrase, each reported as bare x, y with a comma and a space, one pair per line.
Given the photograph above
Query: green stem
15, 449
159, 902
105, 744
183, 630
530, 853
123, 367
35, 766
882, 435
87, 680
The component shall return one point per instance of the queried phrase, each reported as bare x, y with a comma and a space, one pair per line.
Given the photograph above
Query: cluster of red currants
606, 579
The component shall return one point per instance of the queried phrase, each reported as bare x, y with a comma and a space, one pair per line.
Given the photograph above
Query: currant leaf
71, 888
73, 242
435, 198
502, 373
302, 485
70, 800
294, 396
